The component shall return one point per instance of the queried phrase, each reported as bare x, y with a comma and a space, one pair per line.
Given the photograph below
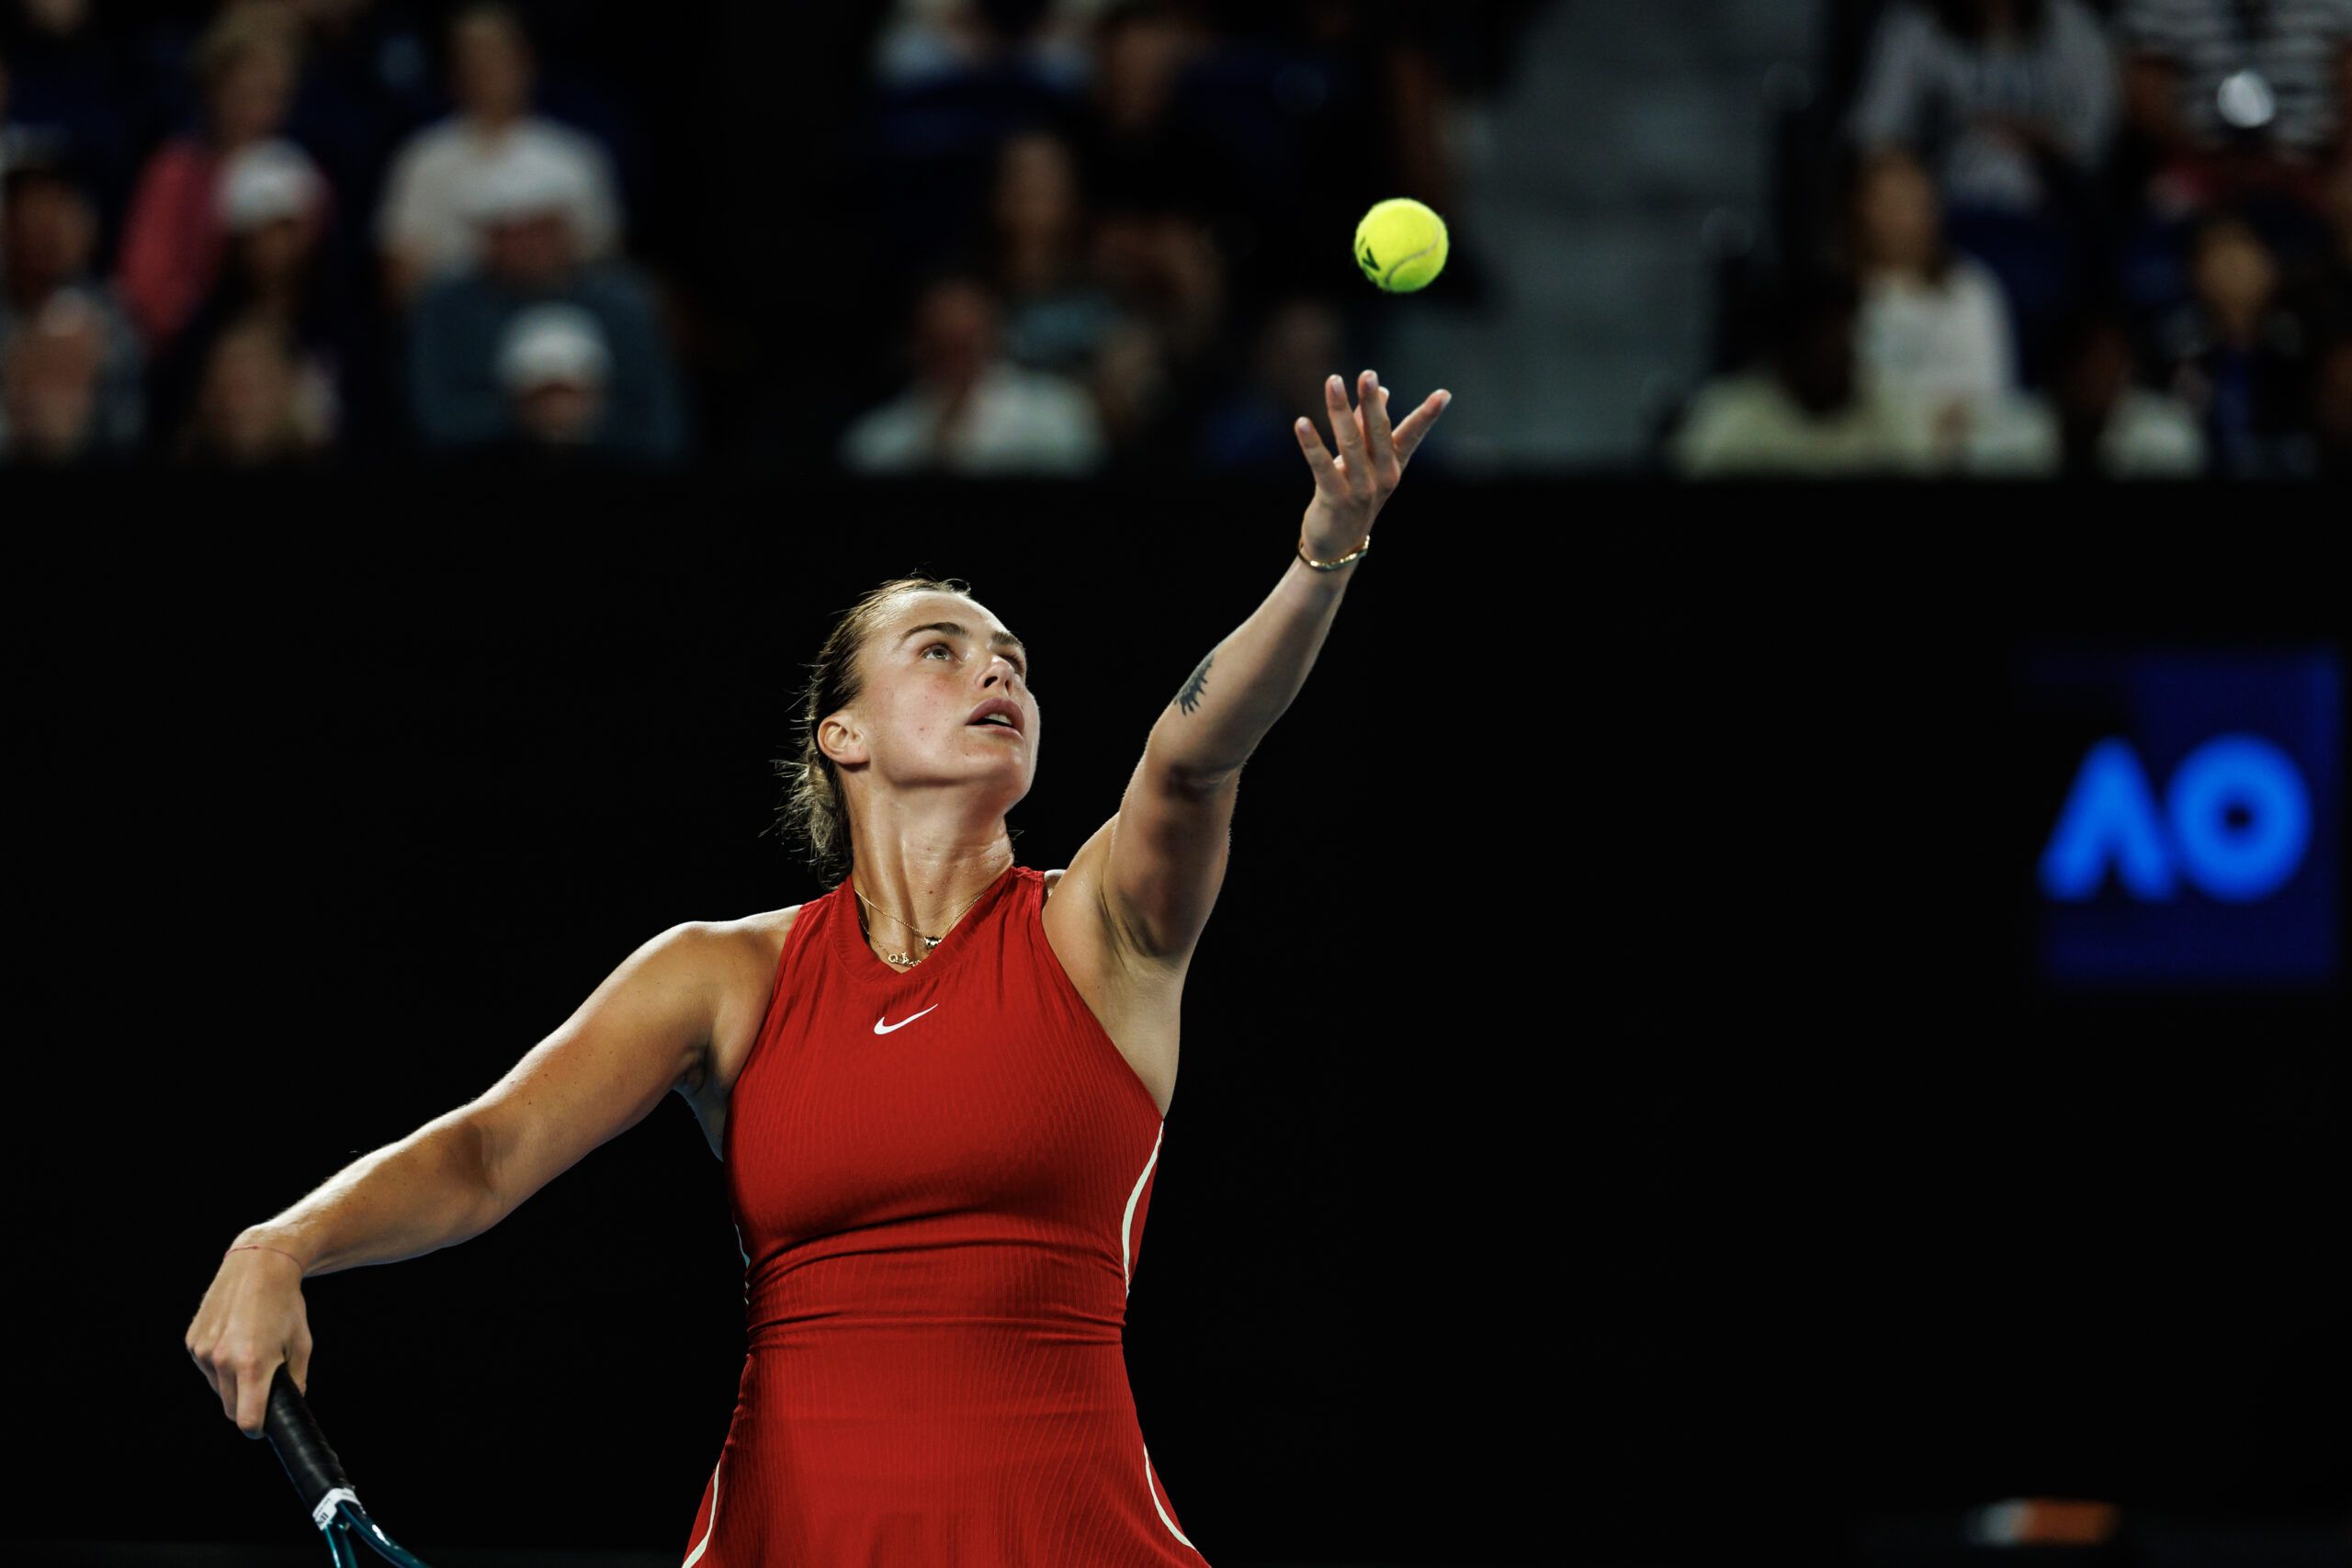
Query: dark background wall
1617, 1107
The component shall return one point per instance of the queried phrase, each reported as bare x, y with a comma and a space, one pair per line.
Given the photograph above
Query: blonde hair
814, 811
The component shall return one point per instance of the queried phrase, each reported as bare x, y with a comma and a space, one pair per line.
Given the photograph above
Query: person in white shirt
2098, 420
1994, 93
968, 410
424, 227
1807, 412
1935, 324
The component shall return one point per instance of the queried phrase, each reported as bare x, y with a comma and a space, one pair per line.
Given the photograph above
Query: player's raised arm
1167, 846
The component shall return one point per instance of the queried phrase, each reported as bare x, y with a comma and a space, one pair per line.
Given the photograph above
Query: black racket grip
301, 1448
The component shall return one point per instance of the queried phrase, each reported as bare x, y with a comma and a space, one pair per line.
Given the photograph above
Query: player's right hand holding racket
252, 1319
252, 1338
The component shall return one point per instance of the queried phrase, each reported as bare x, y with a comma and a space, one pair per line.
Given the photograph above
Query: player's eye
937, 647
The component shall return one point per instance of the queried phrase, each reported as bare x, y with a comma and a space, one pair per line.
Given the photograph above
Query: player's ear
839, 739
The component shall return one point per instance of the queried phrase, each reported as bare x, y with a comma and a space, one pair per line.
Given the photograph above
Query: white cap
266, 182
525, 178
548, 344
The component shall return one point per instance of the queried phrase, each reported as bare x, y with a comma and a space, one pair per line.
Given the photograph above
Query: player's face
946, 697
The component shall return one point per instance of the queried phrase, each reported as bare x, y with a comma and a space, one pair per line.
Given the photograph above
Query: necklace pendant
930, 942
901, 958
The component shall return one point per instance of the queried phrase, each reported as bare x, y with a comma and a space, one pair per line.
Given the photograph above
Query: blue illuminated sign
2235, 822
2196, 840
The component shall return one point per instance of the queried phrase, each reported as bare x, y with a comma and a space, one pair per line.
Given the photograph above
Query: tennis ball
1400, 244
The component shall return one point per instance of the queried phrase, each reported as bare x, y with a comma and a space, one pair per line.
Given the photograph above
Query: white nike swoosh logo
882, 1027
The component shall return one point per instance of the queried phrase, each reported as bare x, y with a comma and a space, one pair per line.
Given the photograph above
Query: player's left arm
1155, 866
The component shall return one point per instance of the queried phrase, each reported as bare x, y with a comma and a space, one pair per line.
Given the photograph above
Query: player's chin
1002, 756
1009, 790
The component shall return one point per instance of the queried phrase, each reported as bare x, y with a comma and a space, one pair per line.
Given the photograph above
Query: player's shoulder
759, 936
731, 965
741, 951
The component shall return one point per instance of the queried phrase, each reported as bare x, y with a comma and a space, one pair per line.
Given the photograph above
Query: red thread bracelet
258, 1247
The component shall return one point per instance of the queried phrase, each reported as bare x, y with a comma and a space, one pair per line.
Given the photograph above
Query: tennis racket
318, 1478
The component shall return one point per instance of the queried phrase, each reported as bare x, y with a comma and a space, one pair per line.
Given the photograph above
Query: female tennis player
938, 1089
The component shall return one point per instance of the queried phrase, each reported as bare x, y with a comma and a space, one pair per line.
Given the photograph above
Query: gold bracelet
1332, 565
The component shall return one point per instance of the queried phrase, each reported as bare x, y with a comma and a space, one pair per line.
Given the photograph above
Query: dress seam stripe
712, 1528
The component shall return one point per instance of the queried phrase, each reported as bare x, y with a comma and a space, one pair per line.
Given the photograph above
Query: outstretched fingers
1372, 409
1417, 424
1355, 468
1328, 481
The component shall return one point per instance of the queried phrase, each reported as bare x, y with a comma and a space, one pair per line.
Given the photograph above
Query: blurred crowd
2063, 239
1067, 235
294, 228
1115, 233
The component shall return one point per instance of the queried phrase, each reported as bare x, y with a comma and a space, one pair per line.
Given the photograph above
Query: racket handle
301, 1448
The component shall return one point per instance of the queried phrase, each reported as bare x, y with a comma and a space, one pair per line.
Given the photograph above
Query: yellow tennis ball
1400, 244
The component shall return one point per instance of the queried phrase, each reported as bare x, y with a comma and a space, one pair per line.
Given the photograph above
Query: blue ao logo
2233, 823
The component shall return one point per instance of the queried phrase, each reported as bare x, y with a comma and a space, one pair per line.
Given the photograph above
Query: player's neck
927, 880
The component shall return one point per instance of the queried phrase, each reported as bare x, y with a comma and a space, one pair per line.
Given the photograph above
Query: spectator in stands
555, 367
923, 41
1934, 327
1172, 353
2097, 421
172, 240
49, 235
967, 410
524, 207
366, 81
1056, 315
249, 408
52, 368
1808, 412
1250, 431
425, 229
2231, 98
958, 80
1136, 137
2010, 102
273, 205
1144, 422
2233, 355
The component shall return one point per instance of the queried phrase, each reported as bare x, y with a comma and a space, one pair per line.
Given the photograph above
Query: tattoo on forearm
1194, 684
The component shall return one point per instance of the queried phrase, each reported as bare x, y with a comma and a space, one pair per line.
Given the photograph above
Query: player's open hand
1351, 488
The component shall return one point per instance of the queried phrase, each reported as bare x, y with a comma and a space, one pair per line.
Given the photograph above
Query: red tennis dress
939, 1180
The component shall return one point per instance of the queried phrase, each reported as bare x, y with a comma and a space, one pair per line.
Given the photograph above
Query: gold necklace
927, 942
